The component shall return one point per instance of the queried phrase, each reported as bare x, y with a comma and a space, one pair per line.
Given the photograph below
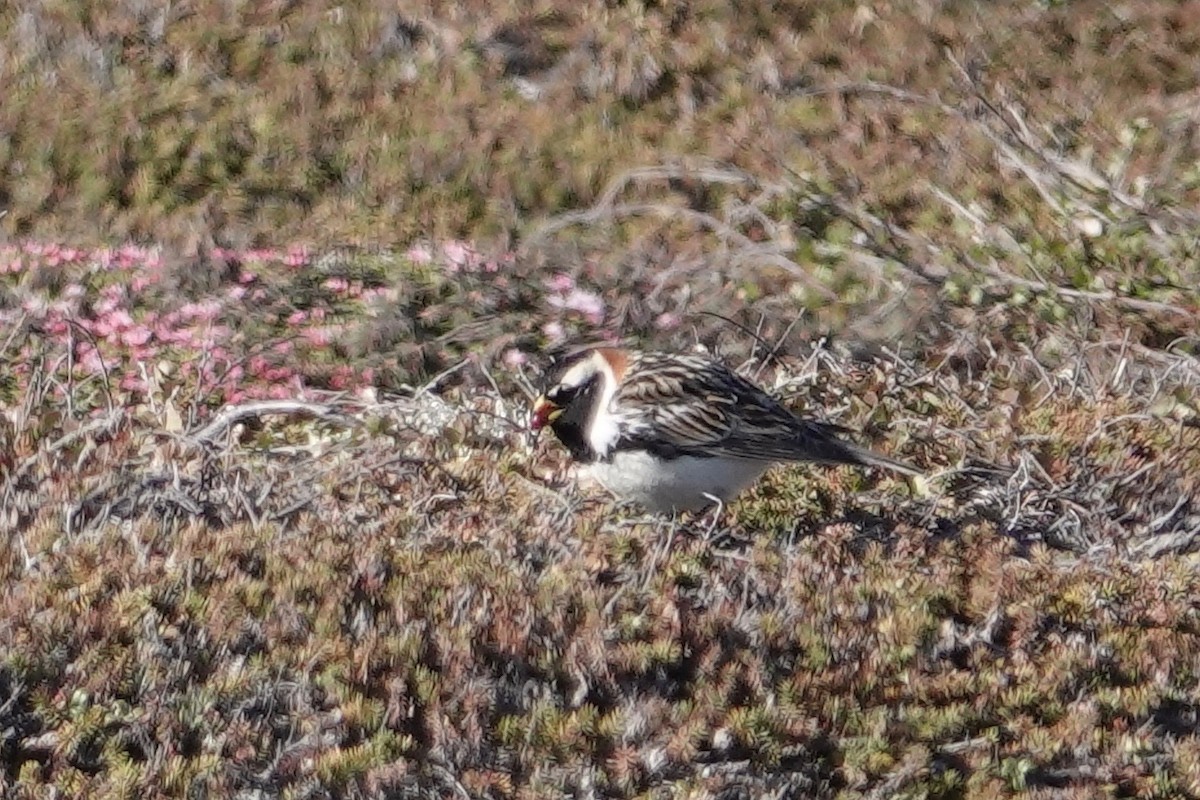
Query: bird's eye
561, 394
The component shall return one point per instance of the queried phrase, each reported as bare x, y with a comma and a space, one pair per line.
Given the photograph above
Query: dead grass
365, 596
273, 526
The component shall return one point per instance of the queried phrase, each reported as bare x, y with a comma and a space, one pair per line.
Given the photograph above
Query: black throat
572, 424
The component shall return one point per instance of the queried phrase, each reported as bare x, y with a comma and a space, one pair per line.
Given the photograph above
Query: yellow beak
544, 413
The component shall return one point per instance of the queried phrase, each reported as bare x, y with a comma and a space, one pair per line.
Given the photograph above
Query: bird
678, 432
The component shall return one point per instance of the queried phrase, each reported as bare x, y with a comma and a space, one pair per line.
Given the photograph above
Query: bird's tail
869, 458
825, 446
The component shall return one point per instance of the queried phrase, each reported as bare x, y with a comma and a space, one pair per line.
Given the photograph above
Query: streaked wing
688, 405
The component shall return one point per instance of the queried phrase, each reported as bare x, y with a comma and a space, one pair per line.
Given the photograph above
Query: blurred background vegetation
994, 205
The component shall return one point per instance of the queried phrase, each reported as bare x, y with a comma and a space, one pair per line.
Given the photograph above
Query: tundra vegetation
275, 282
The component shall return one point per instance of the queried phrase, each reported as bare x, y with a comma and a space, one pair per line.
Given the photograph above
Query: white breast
680, 484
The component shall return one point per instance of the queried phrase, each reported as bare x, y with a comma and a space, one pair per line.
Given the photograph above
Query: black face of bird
568, 407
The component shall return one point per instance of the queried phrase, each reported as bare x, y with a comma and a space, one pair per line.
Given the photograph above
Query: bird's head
571, 388
576, 387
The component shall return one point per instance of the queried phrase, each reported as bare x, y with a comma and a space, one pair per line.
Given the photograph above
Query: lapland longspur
673, 432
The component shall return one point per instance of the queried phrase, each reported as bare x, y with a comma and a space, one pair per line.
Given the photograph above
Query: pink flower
205, 311
132, 383
318, 337
34, 305
419, 254
88, 358
296, 257
136, 337
129, 256
119, 319
513, 358
590, 304
459, 255
666, 321
166, 333
561, 282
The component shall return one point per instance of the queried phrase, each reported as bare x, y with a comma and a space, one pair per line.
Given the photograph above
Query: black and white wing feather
675, 405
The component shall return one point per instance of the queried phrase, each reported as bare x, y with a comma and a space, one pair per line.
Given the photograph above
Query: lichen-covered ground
277, 283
